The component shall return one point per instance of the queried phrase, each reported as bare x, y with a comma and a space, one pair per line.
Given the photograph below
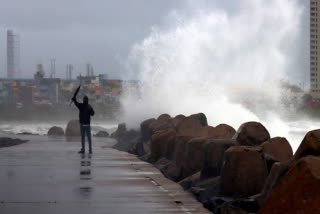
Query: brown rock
278, 170
179, 149
310, 145
298, 191
177, 119
279, 148
158, 143
189, 127
206, 131
121, 130
244, 171
224, 131
160, 125
172, 171
73, 128
251, 134
170, 148
201, 117
127, 141
146, 131
190, 181
193, 155
213, 157
164, 117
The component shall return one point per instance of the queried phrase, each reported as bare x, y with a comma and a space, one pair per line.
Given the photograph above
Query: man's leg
82, 131
89, 138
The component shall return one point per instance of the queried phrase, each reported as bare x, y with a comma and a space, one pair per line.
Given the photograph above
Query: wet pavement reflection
48, 176
85, 176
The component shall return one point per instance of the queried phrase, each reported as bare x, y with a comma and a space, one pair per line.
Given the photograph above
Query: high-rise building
13, 55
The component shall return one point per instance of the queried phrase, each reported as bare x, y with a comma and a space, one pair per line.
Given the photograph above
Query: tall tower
90, 70
53, 68
13, 55
314, 48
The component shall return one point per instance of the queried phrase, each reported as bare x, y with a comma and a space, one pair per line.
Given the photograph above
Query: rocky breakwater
243, 171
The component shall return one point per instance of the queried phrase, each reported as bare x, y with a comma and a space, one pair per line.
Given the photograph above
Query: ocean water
41, 128
296, 130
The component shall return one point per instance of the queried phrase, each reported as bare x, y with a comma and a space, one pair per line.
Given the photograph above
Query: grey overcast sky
99, 31
78, 31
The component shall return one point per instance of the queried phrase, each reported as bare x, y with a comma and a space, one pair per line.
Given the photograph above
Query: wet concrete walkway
48, 176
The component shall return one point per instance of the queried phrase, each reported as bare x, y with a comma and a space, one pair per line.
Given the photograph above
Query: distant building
26, 95
13, 55
49, 88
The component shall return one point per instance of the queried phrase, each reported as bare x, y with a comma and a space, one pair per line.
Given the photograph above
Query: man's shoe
90, 152
81, 151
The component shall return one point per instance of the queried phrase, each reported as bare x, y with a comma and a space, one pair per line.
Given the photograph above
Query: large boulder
127, 141
244, 171
6, 142
164, 117
190, 181
201, 117
159, 141
179, 149
298, 191
213, 157
193, 155
172, 171
278, 170
206, 131
276, 149
55, 131
121, 130
143, 146
223, 131
310, 145
146, 131
170, 148
189, 127
160, 125
102, 134
177, 119
73, 128
251, 134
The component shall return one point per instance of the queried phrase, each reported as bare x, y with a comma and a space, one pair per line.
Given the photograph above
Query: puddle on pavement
85, 175
85, 172
85, 163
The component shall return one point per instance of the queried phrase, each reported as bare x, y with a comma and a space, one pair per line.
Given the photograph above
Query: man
85, 113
